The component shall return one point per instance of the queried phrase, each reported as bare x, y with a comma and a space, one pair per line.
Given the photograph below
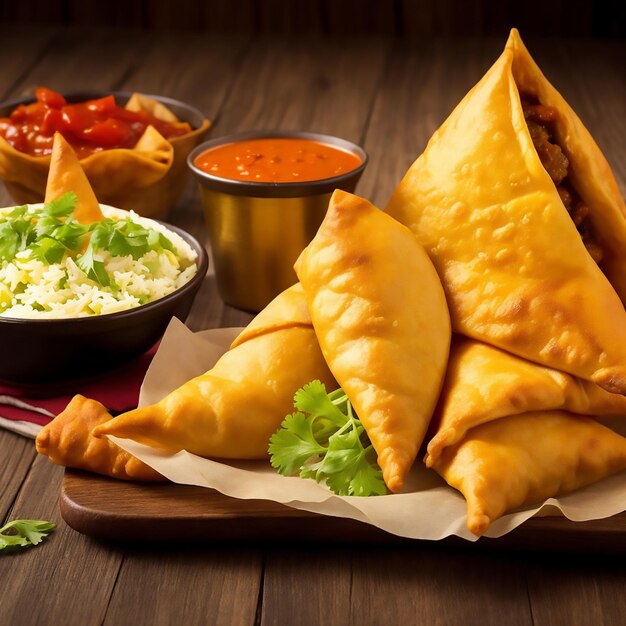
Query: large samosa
381, 319
522, 217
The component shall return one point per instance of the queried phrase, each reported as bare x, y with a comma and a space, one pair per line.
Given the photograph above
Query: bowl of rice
78, 300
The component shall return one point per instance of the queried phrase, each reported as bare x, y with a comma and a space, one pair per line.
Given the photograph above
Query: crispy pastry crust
232, 410
515, 271
524, 459
484, 384
381, 318
68, 440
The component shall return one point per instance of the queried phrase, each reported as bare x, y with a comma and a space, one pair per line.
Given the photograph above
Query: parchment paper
429, 509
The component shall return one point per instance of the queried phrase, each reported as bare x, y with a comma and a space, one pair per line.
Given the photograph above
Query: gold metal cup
257, 230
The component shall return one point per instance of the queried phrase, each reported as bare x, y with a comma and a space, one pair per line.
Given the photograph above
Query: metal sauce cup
257, 230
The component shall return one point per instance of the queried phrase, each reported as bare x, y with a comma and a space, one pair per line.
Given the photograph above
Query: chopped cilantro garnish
93, 268
125, 237
48, 250
326, 441
9, 241
63, 206
52, 232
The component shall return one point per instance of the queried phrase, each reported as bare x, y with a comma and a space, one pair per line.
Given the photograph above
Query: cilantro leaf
93, 268
125, 237
9, 241
22, 533
61, 207
48, 250
325, 441
293, 444
313, 399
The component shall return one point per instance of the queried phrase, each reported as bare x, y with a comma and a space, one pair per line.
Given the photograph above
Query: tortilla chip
514, 268
484, 384
381, 318
139, 102
67, 175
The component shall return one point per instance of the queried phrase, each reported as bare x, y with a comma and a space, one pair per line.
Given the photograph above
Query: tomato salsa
277, 160
88, 126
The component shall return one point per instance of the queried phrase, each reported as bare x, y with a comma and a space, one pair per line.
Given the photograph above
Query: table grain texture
389, 95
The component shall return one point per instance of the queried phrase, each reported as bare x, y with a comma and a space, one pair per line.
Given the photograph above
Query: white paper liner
429, 509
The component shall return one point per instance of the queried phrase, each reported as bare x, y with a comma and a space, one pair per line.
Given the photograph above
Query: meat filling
540, 120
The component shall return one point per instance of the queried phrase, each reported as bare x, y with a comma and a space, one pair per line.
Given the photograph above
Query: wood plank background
404, 18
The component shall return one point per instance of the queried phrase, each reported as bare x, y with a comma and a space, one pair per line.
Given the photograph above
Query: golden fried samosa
66, 174
232, 410
513, 201
484, 383
67, 440
524, 459
381, 318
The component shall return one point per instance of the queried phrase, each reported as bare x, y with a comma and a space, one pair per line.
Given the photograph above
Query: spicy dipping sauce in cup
277, 160
264, 195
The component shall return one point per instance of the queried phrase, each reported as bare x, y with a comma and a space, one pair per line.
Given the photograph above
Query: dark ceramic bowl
58, 352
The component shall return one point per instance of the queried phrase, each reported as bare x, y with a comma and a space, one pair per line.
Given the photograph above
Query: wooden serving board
110, 509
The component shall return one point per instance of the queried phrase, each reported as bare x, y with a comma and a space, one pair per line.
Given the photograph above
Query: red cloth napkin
118, 390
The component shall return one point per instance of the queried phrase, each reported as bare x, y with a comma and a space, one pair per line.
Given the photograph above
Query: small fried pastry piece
232, 410
515, 269
484, 383
67, 440
523, 459
66, 174
381, 318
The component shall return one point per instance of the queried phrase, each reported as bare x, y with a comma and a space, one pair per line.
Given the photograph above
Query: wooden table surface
389, 96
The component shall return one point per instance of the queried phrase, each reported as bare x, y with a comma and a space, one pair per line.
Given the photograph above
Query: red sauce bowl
258, 229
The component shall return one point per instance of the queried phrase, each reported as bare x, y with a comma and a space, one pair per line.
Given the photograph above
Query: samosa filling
540, 120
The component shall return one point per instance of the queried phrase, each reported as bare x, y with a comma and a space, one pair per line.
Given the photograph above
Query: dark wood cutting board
110, 509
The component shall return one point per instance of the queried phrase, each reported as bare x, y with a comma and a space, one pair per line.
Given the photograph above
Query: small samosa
232, 410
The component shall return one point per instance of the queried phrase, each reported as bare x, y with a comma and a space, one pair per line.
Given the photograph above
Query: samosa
232, 410
382, 322
524, 459
484, 383
522, 217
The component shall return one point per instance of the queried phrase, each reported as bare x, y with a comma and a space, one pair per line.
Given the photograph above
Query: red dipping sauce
89, 126
277, 160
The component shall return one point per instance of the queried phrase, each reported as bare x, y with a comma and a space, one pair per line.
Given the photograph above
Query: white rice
30, 288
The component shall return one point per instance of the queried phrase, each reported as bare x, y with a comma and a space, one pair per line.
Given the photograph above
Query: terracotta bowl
149, 183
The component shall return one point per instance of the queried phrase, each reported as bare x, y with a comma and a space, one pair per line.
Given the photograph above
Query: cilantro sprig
324, 440
53, 232
23, 533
